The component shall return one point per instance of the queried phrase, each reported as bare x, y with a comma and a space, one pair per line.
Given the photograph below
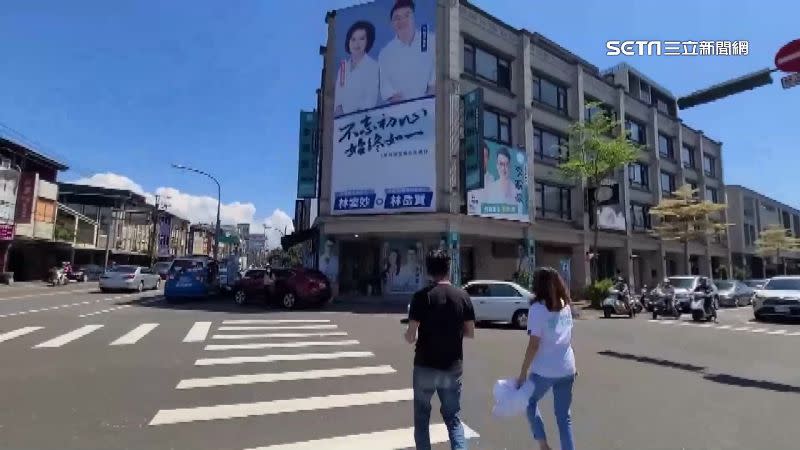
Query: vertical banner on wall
25, 197
505, 187
307, 160
403, 266
474, 162
329, 258
565, 268
384, 128
454, 246
164, 234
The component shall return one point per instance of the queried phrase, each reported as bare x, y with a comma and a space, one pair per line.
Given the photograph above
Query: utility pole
155, 242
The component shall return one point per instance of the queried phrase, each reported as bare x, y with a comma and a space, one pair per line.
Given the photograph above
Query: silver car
734, 293
780, 297
129, 278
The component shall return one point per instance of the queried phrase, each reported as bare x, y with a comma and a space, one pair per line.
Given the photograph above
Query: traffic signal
730, 87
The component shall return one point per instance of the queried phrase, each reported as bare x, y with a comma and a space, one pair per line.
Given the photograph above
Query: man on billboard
502, 190
407, 62
357, 77
409, 277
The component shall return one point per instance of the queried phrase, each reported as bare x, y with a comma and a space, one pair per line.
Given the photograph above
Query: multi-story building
201, 240
750, 213
533, 90
172, 235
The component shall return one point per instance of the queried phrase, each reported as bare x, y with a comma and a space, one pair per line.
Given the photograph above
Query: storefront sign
25, 197
307, 160
384, 130
403, 267
474, 161
6, 232
505, 191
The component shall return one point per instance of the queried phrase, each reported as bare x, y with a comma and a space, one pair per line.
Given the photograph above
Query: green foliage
597, 291
524, 279
279, 257
63, 233
776, 241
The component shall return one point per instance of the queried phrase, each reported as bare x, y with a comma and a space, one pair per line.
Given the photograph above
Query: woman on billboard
358, 75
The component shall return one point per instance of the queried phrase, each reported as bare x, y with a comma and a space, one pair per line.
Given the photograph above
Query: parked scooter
665, 302
704, 305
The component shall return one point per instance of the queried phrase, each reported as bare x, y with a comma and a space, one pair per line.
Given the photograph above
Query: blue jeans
562, 399
447, 384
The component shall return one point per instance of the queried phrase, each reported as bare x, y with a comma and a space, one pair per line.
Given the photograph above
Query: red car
291, 288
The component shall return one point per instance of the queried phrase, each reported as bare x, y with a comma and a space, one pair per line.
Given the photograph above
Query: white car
499, 301
779, 297
129, 278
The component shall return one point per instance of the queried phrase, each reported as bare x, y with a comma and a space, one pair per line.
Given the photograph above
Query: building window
640, 217
796, 225
748, 206
550, 93
709, 165
639, 175
554, 202
591, 111
636, 131
487, 66
749, 234
644, 92
662, 105
667, 183
549, 146
665, 147
711, 194
45, 211
693, 186
687, 154
497, 126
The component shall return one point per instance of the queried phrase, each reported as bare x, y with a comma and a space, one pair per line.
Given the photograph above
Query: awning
298, 237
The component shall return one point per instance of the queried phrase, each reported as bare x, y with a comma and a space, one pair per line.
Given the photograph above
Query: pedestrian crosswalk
54, 337
727, 327
243, 359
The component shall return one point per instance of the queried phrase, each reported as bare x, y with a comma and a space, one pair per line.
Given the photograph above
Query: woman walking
550, 352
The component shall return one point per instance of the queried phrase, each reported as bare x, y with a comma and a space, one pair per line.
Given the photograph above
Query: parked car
734, 293
129, 278
779, 297
252, 287
299, 287
88, 272
162, 269
685, 287
755, 284
499, 301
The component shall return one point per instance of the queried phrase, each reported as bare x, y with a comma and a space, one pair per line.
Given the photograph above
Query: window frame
500, 116
643, 172
692, 162
562, 93
565, 211
500, 60
647, 222
712, 170
538, 140
712, 194
642, 131
672, 187
670, 151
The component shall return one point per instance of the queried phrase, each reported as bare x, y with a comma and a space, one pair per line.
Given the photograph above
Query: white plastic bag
510, 401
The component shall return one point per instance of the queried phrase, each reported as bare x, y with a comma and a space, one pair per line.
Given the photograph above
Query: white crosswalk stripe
267, 328
759, 330
198, 332
69, 337
275, 358
134, 335
278, 335
272, 321
263, 345
283, 376
380, 440
17, 333
237, 410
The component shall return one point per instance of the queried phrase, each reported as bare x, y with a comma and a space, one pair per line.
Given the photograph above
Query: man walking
441, 315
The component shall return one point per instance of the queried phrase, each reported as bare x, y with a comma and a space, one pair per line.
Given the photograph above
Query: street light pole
219, 202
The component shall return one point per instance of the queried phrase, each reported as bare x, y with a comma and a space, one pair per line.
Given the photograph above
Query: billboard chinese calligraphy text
505, 191
384, 158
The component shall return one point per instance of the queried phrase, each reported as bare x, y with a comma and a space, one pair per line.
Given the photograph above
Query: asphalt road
84, 370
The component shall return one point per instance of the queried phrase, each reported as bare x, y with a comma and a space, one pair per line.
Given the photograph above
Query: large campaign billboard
384, 133
505, 184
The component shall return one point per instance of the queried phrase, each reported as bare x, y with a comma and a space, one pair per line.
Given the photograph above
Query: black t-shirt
441, 309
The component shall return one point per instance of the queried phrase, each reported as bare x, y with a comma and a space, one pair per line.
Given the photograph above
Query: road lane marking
262, 345
267, 328
283, 376
758, 330
103, 311
48, 294
795, 333
275, 358
742, 329
17, 333
777, 332
654, 320
706, 325
278, 335
198, 332
203, 413
378, 440
272, 321
135, 334
724, 327
69, 337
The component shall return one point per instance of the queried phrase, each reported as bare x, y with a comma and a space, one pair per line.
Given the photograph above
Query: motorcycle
58, 276
620, 303
703, 307
666, 304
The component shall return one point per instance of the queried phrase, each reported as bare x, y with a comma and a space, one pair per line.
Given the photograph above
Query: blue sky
129, 86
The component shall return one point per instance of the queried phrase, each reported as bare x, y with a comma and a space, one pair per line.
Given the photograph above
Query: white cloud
201, 208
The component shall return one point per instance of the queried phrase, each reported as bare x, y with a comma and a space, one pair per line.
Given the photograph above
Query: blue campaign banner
354, 200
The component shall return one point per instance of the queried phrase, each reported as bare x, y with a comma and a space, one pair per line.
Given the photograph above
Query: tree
776, 241
685, 217
596, 150
285, 258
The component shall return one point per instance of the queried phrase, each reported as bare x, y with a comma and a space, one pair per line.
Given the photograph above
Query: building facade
750, 213
532, 90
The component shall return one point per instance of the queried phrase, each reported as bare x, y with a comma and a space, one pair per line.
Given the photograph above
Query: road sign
788, 57
790, 81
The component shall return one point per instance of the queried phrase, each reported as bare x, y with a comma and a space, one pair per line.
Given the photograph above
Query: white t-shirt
407, 69
555, 358
359, 88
